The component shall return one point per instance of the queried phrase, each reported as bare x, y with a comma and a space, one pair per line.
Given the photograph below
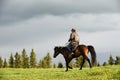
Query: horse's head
56, 51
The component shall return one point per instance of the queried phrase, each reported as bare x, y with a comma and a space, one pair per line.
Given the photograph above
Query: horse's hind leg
89, 62
82, 63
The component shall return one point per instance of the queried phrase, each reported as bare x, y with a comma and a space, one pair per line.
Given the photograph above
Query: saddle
71, 49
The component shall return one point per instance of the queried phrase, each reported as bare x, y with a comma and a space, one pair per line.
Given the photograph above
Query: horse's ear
60, 47
56, 47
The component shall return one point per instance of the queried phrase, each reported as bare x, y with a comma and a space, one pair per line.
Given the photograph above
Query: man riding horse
78, 50
73, 40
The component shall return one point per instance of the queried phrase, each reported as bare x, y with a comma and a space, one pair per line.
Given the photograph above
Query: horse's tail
93, 54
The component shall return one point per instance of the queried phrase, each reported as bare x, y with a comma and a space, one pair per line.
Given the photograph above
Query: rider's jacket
74, 37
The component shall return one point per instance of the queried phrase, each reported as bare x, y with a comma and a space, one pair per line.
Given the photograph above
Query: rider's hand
69, 40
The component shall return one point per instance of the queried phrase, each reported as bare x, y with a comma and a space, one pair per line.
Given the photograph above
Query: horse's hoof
70, 68
66, 70
80, 69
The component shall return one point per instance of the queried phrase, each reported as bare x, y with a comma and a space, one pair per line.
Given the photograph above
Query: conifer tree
117, 61
72, 64
5, 63
1, 62
79, 61
98, 64
11, 61
17, 60
111, 60
27, 65
60, 65
95, 63
48, 59
40, 64
105, 64
25, 59
32, 59
44, 64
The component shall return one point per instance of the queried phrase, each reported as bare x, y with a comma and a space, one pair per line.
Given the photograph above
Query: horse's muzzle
54, 56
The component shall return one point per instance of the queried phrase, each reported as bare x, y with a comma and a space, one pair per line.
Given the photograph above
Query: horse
81, 50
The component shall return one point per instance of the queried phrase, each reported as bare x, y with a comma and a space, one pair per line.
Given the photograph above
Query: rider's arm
72, 37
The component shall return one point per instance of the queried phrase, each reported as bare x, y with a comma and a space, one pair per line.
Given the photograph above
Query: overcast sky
43, 24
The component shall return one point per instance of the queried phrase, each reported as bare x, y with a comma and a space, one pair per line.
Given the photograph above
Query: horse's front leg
69, 59
66, 65
70, 67
67, 62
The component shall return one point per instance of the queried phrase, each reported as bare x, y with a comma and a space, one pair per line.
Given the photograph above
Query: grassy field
96, 73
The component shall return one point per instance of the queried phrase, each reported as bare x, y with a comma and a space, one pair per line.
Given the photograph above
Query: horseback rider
73, 40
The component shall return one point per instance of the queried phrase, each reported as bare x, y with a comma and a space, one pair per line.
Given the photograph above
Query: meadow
96, 73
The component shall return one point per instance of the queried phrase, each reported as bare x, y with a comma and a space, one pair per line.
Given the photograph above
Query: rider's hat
73, 30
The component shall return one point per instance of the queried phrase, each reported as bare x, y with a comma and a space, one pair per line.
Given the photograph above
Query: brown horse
80, 50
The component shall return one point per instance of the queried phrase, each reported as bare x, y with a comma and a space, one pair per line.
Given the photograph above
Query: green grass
96, 73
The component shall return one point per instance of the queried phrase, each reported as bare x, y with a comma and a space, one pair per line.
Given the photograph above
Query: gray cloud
40, 29
17, 10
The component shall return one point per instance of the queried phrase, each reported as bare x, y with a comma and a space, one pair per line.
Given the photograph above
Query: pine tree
95, 63
105, 64
11, 61
1, 62
44, 64
40, 64
72, 64
60, 65
98, 64
25, 59
27, 65
32, 59
5, 63
17, 60
79, 61
117, 61
111, 60
48, 59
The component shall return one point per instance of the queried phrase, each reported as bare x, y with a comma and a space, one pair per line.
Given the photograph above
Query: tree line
112, 61
24, 61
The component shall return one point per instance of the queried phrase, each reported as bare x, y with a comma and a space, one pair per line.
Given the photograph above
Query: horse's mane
60, 47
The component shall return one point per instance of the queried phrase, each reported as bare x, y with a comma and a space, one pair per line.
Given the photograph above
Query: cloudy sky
43, 24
